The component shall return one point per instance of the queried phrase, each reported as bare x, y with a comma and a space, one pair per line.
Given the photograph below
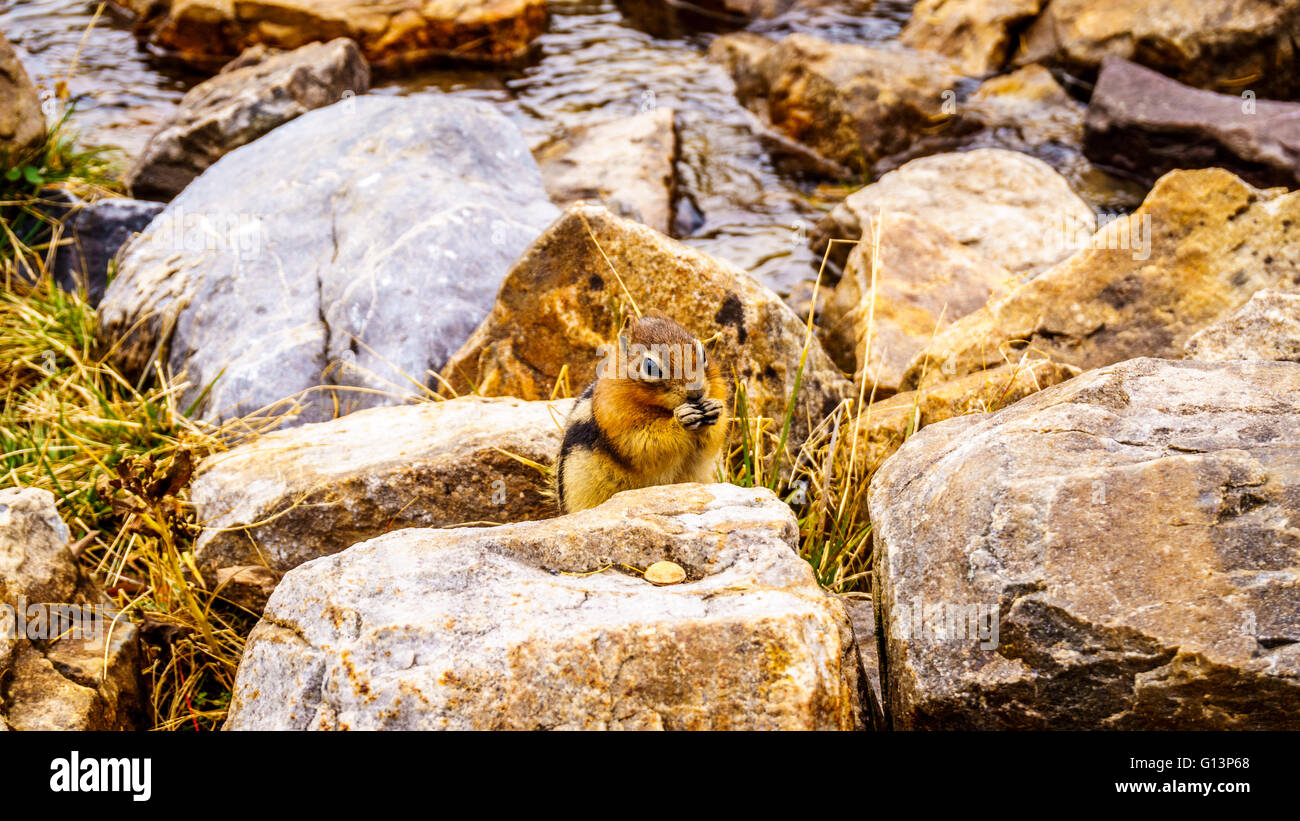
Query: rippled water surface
595, 62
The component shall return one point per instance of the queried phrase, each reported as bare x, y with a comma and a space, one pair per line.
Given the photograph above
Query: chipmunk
656, 415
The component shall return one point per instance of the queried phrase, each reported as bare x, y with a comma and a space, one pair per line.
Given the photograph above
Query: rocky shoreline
1054, 356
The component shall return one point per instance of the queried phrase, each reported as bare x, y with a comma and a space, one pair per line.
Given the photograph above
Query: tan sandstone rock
68, 659
508, 628
1225, 45
22, 122
556, 309
1032, 102
313, 490
1266, 327
1114, 552
1007, 206
851, 104
391, 34
978, 35
1200, 246
626, 164
924, 280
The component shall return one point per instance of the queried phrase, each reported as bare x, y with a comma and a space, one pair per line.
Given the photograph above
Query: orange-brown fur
629, 432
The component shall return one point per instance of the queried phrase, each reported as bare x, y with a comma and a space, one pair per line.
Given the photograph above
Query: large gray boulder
253, 95
1117, 551
357, 246
548, 625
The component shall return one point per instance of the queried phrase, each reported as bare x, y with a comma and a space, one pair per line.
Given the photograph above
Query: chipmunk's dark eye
650, 369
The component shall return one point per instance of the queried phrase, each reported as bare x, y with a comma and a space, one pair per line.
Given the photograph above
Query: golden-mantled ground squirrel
656, 415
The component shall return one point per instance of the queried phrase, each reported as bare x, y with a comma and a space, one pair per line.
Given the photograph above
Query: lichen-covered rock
978, 35
1200, 246
312, 490
1144, 124
246, 100
851, 104
1266, 327
1227, 45
1118, 551
355, 247
1007, 206
509, 628
625, 164
68, 660
555, 310
923, 281
207, 33
22, 122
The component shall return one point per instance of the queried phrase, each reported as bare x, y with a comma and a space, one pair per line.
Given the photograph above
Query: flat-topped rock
543, 625
1010, 208
296, 494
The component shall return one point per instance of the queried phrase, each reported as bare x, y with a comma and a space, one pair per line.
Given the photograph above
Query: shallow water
595, 62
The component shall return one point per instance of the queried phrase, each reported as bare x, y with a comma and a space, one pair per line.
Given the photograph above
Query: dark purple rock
1143, 124
93, 234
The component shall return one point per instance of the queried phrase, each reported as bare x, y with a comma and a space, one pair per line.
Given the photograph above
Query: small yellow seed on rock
665, 573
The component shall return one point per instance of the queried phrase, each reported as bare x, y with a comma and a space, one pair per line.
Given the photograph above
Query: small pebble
665, 573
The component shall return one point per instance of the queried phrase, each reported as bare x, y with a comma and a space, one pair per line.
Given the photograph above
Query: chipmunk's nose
695, 394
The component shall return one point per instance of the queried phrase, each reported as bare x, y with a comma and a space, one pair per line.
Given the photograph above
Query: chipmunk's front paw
696, 415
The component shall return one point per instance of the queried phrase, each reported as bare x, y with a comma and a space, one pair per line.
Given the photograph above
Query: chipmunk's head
659, 364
